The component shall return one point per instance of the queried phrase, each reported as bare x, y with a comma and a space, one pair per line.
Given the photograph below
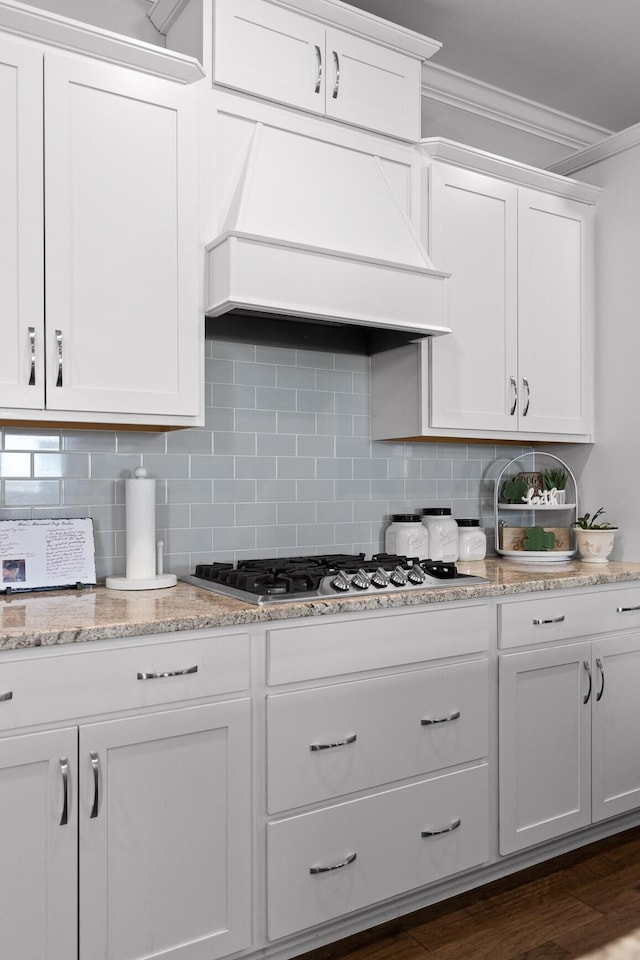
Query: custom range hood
318, 230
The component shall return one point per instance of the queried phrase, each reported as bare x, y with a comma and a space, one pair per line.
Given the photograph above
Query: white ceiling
581, 57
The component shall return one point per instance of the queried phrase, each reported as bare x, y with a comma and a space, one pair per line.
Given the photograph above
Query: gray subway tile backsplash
285, 464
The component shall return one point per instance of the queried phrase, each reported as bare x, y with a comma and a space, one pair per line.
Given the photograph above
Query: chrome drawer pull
627, 609
170, 673
319, 73
64, 772
7, 696
436, 833
585, 664
525, 384
452, 716
601, 669
538, 622
330, 746
335, 866
514, 405
59, 346
336, 85
95, 766
32, 348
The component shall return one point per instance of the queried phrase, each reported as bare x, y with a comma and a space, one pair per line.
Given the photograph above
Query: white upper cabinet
280, 54
109, 196
518, 365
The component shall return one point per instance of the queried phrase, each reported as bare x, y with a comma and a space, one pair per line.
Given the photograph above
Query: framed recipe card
41, 554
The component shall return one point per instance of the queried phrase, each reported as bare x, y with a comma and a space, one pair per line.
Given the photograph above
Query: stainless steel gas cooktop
286, 579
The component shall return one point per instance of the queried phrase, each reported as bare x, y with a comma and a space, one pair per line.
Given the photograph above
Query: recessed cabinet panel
39, 842
21, 226
122, 277
473, 236
377, 847
331, 741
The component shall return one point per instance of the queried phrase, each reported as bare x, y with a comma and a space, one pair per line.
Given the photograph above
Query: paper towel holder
144, 555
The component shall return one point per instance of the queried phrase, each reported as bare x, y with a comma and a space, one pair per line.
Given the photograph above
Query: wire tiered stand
529, 515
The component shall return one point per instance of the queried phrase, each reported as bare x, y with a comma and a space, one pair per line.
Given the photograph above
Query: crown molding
164, 13
491, 103
613, 145
41, 25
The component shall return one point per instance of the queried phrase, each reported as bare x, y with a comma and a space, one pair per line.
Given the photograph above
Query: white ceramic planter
594, 546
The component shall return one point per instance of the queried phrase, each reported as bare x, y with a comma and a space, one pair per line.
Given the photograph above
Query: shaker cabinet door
123, 330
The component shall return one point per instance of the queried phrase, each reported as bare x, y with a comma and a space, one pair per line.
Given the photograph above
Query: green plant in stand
555, 477
588, 522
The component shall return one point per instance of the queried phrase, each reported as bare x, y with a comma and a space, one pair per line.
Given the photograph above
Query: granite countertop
42, 619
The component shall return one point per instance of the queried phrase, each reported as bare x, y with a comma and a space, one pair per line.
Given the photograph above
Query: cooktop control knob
398, 577
341, 582
417, 574
361, 580
380, 578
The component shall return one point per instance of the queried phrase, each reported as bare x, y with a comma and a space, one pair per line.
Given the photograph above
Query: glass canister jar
406, 536
472, 540
443, 533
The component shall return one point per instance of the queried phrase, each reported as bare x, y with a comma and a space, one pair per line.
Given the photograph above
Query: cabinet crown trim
84, 38
522, 174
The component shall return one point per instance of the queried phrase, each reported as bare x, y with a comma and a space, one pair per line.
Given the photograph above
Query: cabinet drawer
385, 832
310, 651
561, 616
335, 740
47, 687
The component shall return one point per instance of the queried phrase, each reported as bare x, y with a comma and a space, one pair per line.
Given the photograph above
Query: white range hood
315, 230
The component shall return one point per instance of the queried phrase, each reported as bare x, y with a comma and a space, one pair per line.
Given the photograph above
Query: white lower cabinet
569, 716
130, 836
39, 842
330, 862
378, 760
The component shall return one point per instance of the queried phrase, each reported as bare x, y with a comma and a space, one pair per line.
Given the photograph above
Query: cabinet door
370, 86
270, 52
39, 843
165, 834
123, 326
545, 744
473, 235
21, 226
554, 314
616, 721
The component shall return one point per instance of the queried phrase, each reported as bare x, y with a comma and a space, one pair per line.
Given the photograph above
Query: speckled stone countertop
42, 619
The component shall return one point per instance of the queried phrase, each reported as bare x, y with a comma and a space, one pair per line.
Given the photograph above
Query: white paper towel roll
140, 494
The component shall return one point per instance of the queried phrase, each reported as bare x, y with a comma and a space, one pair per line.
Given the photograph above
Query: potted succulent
594, 537
556, 479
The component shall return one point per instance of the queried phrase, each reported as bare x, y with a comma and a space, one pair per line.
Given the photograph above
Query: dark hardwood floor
584, 905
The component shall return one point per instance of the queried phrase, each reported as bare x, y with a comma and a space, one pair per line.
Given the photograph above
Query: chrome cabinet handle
336, 85
95, 766
169, 673
59, 343
436, 833
601, 669
334, 866
514, 405
537, 622
527, 388
330, 746
585, 663
627, 609
319, 73
7, 696
427, 722
64, 772
32, 350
